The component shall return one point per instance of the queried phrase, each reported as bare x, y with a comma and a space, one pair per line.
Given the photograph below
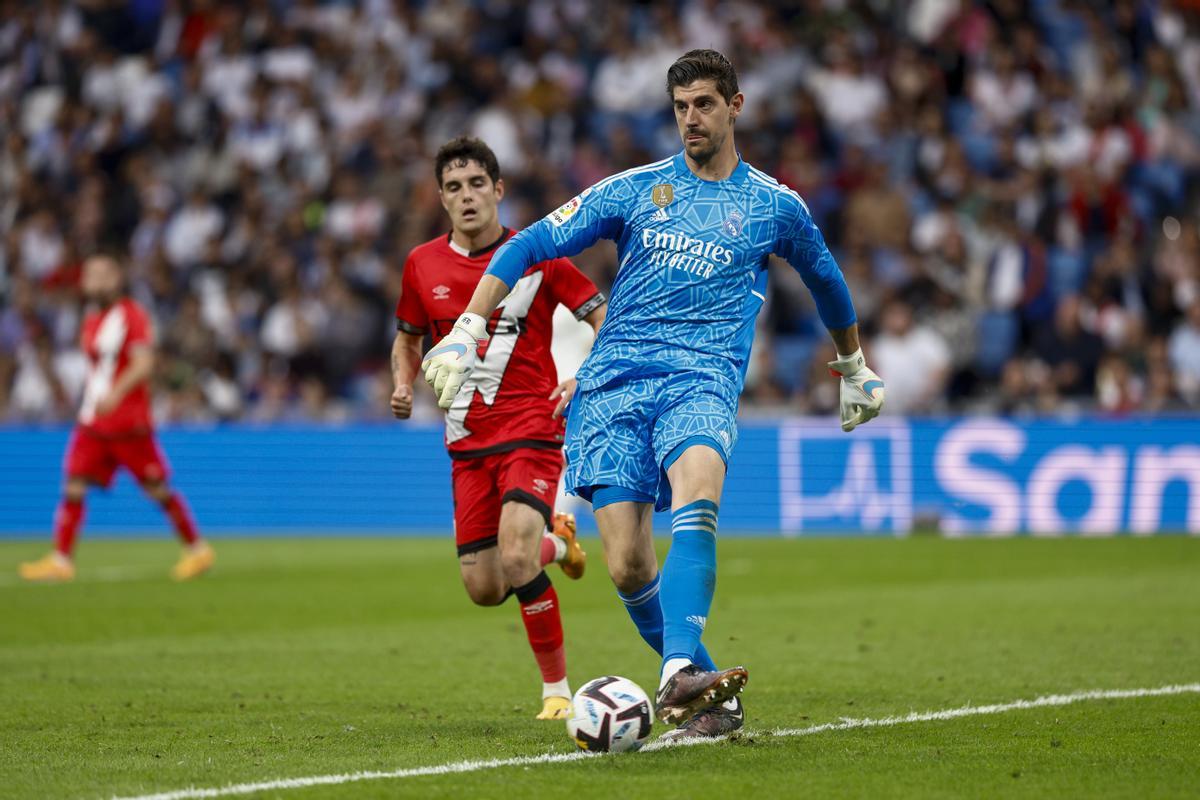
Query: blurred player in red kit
114, 428
504, 431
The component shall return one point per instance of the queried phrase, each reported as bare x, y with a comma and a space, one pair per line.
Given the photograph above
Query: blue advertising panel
991, 476
795, 477
248, 479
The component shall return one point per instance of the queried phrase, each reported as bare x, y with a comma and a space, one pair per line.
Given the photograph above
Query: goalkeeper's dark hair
458, 151
697, 65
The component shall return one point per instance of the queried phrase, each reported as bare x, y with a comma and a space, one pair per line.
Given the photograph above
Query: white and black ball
610, 715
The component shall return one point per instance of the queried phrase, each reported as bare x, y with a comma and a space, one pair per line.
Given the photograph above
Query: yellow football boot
575, 561
54, 568
195, 561
555, 707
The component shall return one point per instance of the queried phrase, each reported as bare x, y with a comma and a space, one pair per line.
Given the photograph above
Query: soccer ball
609, 715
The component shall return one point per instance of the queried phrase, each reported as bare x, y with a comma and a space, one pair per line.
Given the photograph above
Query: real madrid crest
662, 195
734, 223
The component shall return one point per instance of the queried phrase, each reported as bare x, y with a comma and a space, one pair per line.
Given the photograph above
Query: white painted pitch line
559, 758
352, 777
849, 723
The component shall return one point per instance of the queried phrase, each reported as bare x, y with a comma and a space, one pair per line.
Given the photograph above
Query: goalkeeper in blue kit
653, 423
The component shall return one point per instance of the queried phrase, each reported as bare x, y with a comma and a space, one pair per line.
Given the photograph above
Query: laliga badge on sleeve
559, 216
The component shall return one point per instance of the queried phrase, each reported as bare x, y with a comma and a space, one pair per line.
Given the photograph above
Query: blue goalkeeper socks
646, 612
689, 577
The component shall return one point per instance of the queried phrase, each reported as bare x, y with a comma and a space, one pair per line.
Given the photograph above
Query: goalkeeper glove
861, 390
448, 365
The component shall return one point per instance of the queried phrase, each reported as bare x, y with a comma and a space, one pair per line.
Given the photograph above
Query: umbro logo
441, 293
540, 486
538, 607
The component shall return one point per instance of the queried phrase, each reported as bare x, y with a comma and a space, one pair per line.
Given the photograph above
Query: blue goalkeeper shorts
627, 434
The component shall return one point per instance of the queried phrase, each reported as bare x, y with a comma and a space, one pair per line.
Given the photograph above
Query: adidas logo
660, 216
696, 619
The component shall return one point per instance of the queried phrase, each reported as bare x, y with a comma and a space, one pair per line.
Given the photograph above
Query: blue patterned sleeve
801, 244
576, 225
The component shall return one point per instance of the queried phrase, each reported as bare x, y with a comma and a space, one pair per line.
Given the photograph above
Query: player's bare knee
520, 536
482, 576
75, 489
486, 593
481, 595
632, 572
519, 567
159, 491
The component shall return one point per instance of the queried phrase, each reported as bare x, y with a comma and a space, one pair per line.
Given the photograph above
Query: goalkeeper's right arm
579, 224
450, 362
448, 365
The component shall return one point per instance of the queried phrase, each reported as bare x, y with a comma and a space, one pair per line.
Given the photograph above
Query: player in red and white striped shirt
114, 427
504, 431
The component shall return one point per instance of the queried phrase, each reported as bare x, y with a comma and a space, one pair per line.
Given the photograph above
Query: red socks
69, 517
67, 520
543, 626
181, 517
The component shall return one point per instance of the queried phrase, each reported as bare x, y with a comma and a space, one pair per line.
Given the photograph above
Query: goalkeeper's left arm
802, 244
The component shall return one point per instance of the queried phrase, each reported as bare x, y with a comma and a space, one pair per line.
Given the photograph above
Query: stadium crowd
1011, 187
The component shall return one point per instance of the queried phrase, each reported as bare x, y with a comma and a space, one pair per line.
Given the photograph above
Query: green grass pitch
308, 657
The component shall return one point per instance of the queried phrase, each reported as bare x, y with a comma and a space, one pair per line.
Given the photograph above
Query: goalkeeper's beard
708, 149
704, 154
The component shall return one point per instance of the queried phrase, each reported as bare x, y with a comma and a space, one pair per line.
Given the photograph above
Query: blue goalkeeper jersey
692, 267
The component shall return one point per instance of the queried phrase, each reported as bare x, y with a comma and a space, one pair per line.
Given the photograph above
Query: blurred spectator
1001, 92
878, 213
193, 226
1025, 389
1184, 351
1118, 389
850, 97
915, 358
294, 325
1072, 352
